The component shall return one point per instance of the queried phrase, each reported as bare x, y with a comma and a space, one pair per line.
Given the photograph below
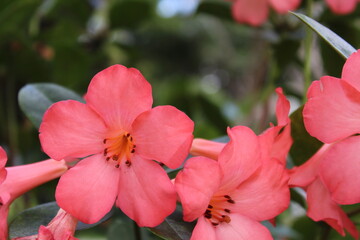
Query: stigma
219, 209
119, 149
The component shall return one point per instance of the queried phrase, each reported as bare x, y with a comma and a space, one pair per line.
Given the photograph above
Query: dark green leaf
220, 9
339, 44
304, 145
28, 222
174, 228
36, 98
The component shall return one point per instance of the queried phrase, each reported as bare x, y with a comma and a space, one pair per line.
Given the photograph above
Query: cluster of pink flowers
229, 188
256, 12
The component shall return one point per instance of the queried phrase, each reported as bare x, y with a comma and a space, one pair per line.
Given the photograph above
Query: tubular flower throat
218, 210
119, 148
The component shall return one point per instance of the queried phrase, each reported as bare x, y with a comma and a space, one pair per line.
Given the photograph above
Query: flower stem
308, 45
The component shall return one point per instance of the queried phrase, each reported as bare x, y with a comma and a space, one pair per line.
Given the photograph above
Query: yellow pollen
119, 148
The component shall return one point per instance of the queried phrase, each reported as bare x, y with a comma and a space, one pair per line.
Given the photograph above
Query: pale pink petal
71, 129
88, 190
196, 184
253, 12
206, 148
322, 208
21, 179
45, 234
339, 171
146, 193
242, 228
332, 111
351, 69
3, 160
164, 134
284, 6
4, 210
203, 230
305, 174
265, 195
282, 108
240, 157
342, 6
119, 95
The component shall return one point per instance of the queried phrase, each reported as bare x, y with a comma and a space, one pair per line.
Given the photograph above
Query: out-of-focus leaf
339, 44
304, 145
28, 222
36, 98
220, 9
306, 228
174, 228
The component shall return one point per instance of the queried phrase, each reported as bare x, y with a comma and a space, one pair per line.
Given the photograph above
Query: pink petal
265, 195
240, 157
3, 160
71, 129
351, 70
88, 190
333, 110
21, 179
253, 12
342, 6
282, 108
322, 208
4, 210
305, 174
119, 95
203, 230
242, 228
206, 148
196, 184
163, 134
146, 193
283, 6
340, 169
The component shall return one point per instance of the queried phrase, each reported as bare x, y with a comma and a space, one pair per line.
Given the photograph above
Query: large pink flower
61, 227
332, 114
15, 181
342, 6
230, 197
321, 205
255, 12
120, 135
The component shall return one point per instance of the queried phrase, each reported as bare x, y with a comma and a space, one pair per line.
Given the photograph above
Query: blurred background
194, 54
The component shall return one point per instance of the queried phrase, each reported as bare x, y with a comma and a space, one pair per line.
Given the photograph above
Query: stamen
227, 210
117, 165
105, 152
128, 163
104, 141
133, 150
119, 148
231, 201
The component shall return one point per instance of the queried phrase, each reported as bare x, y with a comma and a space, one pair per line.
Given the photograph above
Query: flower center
218, 209
119, 148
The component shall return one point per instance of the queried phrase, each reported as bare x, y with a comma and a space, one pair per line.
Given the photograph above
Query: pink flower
15, 181
61, 227
230, 197
276, 140
332, 114
255, 12
342, 6
321, 205
120, 135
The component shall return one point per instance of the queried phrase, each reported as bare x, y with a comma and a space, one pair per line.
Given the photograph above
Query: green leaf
34, 99
220, 9
304, 145
27, 223
339, 44
174, 228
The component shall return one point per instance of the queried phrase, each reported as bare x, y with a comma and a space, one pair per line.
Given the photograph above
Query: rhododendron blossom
15, 181
61, 227
321, 206
255, 12
230, 197
342, 6
332, 114
120, 135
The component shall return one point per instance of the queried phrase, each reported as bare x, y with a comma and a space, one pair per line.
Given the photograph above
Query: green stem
308, 44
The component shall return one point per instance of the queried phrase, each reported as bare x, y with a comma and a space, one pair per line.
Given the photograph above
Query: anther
134, 146
132, 150
128, 135
227, 210
117, 165
105, 151
115, 157
128, 163
227, 197
209, 206
131, 139
227, 219
230, 201
214, 224
208, 215
207, 211
108, 158
104, 141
